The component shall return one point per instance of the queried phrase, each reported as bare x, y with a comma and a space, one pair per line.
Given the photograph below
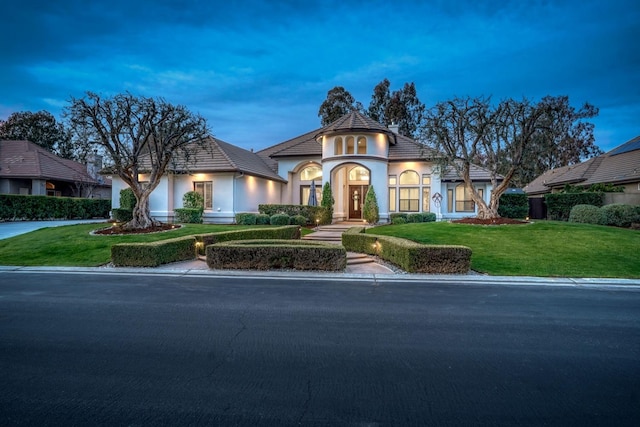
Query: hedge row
23, 207
271, 254
288, 232
617, 215
403, 218
311, 213
513, 206
264, 219
153, 254
559, 205
410, 256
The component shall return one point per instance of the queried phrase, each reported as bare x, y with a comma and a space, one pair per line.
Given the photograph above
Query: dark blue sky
259, 70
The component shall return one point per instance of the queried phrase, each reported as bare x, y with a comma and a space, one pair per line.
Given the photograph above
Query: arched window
338, 148
359, 174
409, 178
362, 145
350, 145
311, 173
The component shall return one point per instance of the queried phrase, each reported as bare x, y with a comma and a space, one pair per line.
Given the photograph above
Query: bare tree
140, 136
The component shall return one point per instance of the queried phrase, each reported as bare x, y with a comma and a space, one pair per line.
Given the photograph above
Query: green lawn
543, 248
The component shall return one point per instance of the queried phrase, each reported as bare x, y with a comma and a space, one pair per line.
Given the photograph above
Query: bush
189, 215
289, 232
310, 212
398, 220
279, 219
414, 217
398, 215
620, 215
269, 254
263, 219
26, 207
153, 254
298, 220
122, 215
246, 218
326, 216
513, 206
428, 217
127, 199
408, 255
587, 214
559, 205
370, 210
193, 200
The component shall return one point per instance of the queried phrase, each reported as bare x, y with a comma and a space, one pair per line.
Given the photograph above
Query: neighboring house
620, 167
27, 168
352, 153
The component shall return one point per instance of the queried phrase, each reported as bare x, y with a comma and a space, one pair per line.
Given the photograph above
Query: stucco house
351, 154
27, 168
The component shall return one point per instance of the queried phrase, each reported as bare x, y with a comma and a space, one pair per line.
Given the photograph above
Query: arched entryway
350, 183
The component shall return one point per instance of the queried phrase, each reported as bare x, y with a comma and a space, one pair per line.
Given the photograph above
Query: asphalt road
88, 349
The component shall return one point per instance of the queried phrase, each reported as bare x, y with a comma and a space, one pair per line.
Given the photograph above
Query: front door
356, 200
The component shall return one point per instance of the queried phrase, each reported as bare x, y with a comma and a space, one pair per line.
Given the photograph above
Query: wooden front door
356, 200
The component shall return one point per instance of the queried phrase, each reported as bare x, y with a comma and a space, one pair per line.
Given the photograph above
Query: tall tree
405, 109
40, 128
338, 103
379, 101
471, 131
140, 135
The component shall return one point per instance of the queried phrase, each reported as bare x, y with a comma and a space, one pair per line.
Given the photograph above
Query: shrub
559, 205
587, 214
280, 219
370, 210
189, 215
153, 254
263, 219
290, 232
122, 215
310, 212
414, 217
399, 220
193, 200
326, 216
298, 220
27, 207
428, 217
620, 215
513, 206
127, 199
246, 218
408, 255
268, 254
398, 215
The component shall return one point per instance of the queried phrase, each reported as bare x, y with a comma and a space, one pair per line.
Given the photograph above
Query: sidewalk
15, 228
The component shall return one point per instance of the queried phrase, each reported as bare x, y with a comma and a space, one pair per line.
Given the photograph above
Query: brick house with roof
352, 153
27, 168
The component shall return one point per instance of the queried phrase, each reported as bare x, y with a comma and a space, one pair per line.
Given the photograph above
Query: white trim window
205, 189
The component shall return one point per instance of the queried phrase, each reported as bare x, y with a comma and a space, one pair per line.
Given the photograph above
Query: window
409, 200
393, 180
350, 145
362, 145
426, 200
305, 190
449, 200
311, 173
359, 174
392, 199
464, 202
338, 148
205, 189
409, 178
426, 179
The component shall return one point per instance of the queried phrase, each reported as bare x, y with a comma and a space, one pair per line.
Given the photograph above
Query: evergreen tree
370, 209
327, 203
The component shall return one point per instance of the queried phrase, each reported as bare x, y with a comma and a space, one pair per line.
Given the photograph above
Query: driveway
14, 228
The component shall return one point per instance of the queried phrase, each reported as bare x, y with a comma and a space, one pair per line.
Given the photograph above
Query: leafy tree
327, 203
139, 135
40, 128
370, 209
379, 102
405, 109
472, 131
338, 103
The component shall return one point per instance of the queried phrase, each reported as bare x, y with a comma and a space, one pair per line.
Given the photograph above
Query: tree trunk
141, 214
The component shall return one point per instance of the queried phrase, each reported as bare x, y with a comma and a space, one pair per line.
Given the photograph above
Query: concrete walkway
15, 228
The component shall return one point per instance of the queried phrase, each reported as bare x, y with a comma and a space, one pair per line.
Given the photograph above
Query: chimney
394, 128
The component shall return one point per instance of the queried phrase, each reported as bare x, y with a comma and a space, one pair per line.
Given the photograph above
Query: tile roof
356, 121
26, 160
477, 173
618, 166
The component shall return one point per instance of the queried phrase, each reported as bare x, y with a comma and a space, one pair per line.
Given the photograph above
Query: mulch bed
492, 221
118, 230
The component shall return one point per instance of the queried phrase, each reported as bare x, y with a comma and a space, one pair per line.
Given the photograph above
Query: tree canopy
40, 128
338, 103
140, 136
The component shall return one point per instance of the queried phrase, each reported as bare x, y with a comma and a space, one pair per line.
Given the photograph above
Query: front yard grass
542, 248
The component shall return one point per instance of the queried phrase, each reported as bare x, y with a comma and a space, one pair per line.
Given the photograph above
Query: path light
317, 223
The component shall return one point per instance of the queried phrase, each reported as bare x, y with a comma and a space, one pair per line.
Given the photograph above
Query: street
119, 349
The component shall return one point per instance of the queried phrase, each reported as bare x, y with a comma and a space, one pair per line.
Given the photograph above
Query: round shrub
298, 220
398, 215
398, 220
263, 219
127, 199
414, 217
620, 215
193, 200
246, 218
428, 217
587, 214
279, 219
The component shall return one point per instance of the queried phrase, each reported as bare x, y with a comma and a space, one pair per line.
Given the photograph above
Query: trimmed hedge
514, 206
620, 215
310, 212
246, 218
288, 232
410, 256
270, 254
24, 207
263, 219
280, 219
559, 205
188, 215
587, 214
298, 220
415, 217
155, 253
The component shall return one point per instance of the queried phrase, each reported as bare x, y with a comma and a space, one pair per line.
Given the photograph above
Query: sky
259, 70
